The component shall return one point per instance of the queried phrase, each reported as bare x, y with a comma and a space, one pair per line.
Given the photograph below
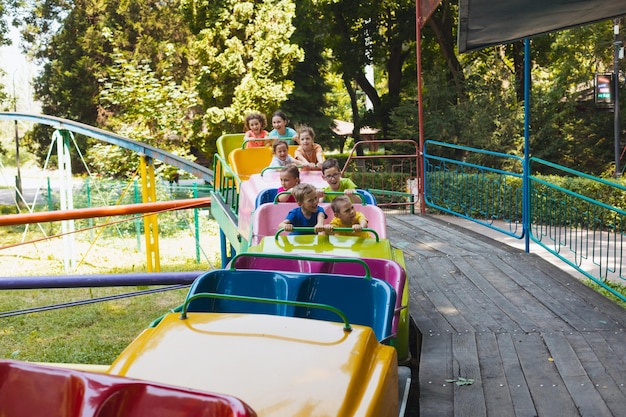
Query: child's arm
283, 198
321, 195
319, 155
319, 227
300, 157
292, 160
286, 224
353, 194
362, 224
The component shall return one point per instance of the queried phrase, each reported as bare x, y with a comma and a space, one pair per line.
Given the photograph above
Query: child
309, 153
281, 130
307, 214
289, 178
281, 156
347, 216
332, 175
254, 126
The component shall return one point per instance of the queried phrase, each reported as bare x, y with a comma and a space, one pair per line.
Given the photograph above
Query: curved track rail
114, 139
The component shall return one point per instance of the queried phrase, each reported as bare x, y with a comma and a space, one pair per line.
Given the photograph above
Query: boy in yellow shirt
346, 216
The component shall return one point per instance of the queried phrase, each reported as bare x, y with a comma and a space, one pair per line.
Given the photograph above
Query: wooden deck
534, 340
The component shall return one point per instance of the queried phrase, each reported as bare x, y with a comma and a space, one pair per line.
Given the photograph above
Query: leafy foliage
139, 104
215, 61
244, 55
78, 41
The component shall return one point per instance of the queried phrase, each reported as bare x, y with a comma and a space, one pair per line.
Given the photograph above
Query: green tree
372, 33
244, 58
139, 104
567, 127
75, 40
309, 101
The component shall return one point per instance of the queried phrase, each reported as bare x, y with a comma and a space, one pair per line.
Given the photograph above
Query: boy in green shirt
332, 175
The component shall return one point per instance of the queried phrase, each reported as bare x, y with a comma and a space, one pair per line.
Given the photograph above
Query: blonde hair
301, 190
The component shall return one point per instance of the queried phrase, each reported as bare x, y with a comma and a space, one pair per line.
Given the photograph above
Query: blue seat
264, 284
365, 302
265, 196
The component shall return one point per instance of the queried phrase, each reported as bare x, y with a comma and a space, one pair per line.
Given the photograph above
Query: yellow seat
227, 143
245, 162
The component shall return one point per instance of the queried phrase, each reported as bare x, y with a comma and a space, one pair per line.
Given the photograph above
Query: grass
93, 333
620, 288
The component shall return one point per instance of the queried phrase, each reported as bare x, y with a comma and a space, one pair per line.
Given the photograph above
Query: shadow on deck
534, 340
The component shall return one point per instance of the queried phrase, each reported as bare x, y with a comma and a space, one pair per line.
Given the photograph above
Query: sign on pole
604, 95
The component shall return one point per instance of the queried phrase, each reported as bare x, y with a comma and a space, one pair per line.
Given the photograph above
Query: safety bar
346, 324
336, 229
361, 196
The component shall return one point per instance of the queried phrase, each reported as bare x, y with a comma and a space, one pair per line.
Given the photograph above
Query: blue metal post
526, 182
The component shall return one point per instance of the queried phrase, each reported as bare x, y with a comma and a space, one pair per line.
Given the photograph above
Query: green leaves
246, 56
461, 381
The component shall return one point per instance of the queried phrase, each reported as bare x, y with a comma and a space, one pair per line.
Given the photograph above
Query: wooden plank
454, 274
469, 400
507, 315
546, 387
581, 316
435, 289
470, 300
518, 387
498, 401
436, 395
592, 301
426, 316
540, 305
582, 390
420, 309
612, 391
609, 354
426, 237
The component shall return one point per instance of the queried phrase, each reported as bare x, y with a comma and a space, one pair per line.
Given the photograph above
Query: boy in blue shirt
307, 214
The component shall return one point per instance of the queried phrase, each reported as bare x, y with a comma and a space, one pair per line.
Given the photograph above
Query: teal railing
576, 217
578, 222
489, 196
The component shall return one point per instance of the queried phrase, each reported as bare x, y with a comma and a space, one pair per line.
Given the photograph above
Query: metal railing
575, 224
226, 184
391, 176
576, 217
473, 191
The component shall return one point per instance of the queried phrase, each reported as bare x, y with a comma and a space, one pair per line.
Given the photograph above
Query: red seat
28, 389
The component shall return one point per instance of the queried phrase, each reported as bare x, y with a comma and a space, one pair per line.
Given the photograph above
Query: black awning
490, 22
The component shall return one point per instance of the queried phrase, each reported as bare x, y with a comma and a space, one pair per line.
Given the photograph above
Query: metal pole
616, 94
18, 178
421, 176
526, 183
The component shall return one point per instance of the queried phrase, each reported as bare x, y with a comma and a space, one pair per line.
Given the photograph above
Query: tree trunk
441, 24
356, 134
